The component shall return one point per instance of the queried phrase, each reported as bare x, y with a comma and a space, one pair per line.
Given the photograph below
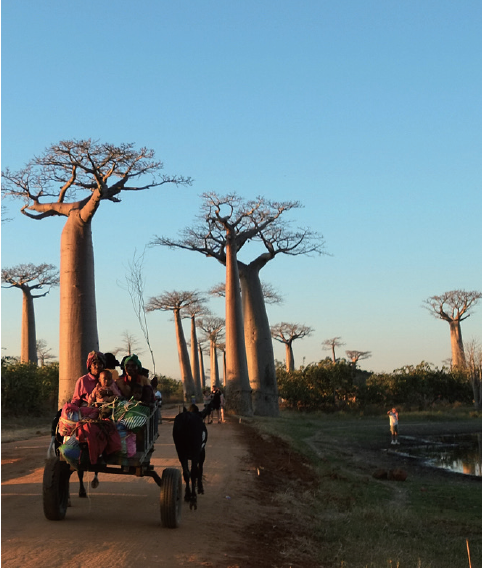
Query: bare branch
454, 305
135, 286
173, 301
71, 166
287, 332
258, 221
31, 277
356, 356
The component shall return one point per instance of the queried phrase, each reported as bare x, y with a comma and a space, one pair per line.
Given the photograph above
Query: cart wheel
171, 492
55, 489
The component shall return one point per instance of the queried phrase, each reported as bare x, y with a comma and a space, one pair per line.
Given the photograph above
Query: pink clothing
83, 388
100, 436
96, 395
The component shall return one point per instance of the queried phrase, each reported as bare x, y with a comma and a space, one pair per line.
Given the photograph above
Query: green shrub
29, 389
324, 386
170, 388
332, 386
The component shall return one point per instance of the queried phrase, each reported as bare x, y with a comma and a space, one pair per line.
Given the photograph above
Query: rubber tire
171, 498
55, 489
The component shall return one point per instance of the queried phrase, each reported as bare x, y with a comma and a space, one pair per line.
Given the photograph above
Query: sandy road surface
119, 524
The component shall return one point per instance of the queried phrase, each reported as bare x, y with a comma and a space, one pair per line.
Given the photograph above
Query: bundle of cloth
71, 414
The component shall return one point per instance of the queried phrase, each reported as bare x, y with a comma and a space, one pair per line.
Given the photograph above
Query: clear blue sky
368, 112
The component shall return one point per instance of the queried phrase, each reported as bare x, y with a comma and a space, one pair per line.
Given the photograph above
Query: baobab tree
231, 222
196, 310
44, 353
222, 348
331, 344
49, 185
355, 356
213, 328
130, 345
175, 302
454, 307
29, 278
286, 333
202, 374
222, 220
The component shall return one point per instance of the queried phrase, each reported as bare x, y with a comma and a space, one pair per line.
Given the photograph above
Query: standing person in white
393, 415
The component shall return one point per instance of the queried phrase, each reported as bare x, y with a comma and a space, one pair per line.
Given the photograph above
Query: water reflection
461, 454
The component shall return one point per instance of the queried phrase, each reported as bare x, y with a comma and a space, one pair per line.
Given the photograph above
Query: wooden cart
57, 474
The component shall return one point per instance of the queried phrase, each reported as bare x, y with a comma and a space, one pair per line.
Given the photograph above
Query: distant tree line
329, 386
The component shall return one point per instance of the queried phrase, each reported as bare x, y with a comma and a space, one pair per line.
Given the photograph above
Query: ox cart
57, 472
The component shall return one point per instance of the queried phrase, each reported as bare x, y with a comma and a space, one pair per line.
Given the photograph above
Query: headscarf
133, 359
93, 356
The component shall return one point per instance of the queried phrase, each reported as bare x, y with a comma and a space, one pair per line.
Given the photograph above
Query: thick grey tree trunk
259, 345
201, 367
458, 353
195, 361
28, 345
184, 363
224, 367
238, 390
290, 360
78, 319
214, 374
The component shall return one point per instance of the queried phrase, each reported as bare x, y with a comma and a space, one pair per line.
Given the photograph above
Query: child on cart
106, 390
143, 393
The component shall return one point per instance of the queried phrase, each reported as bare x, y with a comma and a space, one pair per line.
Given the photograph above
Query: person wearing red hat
87, 383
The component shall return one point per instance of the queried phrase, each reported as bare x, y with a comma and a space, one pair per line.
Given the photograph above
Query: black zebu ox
190, 436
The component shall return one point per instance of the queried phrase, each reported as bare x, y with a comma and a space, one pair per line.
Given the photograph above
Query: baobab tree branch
43, 215
288, 332
177, 180
356, 356
458, 303
69, 184
40, 295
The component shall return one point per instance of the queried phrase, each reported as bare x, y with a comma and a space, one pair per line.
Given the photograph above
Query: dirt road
118, 525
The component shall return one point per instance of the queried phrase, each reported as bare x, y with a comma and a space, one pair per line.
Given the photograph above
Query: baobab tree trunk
290, 360
458, 354
201, 367
195, 361
238, 391
214, 375
259, 345
224, 368
28, 345
78, 318
186, 373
